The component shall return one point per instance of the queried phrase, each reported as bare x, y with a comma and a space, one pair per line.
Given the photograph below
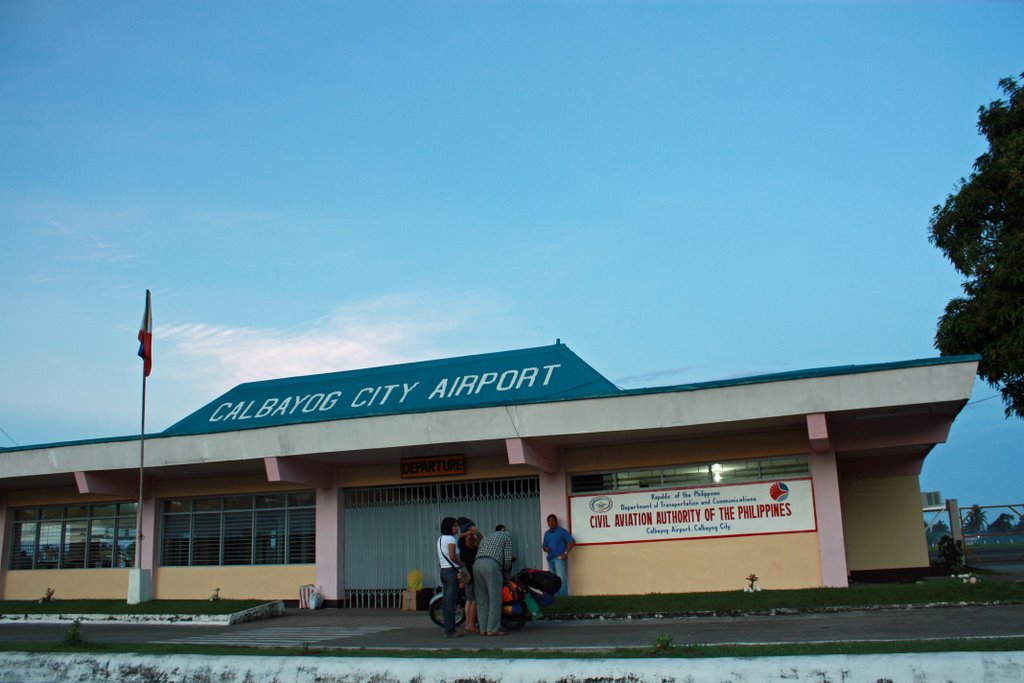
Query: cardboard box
408, 601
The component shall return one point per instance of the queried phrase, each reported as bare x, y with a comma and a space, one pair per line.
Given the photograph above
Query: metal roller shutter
392, 530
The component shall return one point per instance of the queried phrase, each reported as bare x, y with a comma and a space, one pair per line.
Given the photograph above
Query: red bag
511, 592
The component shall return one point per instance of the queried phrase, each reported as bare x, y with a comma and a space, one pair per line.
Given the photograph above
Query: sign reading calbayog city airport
547, 373
770, 507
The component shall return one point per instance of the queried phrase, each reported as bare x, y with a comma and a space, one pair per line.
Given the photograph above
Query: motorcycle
519, 603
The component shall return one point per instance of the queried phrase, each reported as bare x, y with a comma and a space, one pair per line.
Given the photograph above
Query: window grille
701, 474
376, 572
443, 493
264, 528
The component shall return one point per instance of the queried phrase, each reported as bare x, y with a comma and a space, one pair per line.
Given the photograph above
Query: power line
982, 400
9, 437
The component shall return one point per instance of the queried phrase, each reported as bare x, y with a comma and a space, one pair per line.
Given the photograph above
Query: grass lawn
864, 595
657, 649
207, 607
946, 590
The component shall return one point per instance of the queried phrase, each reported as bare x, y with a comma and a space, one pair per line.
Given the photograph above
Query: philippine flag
146, 338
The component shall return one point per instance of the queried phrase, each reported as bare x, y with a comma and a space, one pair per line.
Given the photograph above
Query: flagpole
146, 353
140, 587
142, 466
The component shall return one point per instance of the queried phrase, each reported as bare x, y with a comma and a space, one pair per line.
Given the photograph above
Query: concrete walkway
367, 630
413, 632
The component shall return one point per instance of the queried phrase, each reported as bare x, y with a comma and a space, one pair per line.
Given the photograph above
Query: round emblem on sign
601, 504
779, 491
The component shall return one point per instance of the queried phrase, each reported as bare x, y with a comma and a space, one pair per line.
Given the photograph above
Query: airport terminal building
340, 480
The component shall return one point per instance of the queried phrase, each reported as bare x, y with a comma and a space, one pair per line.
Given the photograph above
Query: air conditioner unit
932, 499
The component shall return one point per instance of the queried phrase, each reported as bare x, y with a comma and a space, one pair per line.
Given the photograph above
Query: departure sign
433, 466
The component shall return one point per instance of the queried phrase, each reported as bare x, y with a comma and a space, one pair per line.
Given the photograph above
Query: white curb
968, 667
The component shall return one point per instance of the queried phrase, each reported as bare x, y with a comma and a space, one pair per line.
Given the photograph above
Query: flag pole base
140, 586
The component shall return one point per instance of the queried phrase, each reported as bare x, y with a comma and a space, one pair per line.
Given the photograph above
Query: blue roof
536, 375
541, 374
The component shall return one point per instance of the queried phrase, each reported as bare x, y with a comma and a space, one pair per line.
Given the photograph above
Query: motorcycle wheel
514, 622
436, 611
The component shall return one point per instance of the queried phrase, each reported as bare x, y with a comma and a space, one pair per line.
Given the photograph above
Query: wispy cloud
211, 358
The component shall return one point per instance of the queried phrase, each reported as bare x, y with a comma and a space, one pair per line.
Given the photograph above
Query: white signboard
767, 507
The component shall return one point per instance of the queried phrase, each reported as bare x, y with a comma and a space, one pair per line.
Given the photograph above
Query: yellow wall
717, 564
68, 584
780, 561
270, 582
882, 523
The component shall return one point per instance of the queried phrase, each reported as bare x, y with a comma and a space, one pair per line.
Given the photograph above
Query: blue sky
680, 191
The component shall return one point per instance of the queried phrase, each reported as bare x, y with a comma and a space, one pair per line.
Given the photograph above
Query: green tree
976, 520
937, 531
1003, 524
980, 229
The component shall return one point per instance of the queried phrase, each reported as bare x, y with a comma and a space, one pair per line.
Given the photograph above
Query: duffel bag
543, 599
545, 582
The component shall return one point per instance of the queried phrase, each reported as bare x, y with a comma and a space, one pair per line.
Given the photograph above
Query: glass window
48, 555
271, 500
302, 536
206, 539
689, 475
725, 472
238, 503
76, 534
591, 483
25, 545
269, 537
101, 541
238, 537
638, 479
71, 536
26, 515
302, 499
104, 510
207, 504
126, 540
176, 539
177, 506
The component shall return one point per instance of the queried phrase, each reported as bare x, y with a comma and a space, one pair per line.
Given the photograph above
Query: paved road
413, 630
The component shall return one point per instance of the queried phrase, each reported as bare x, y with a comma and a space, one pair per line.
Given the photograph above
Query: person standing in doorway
557, 544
